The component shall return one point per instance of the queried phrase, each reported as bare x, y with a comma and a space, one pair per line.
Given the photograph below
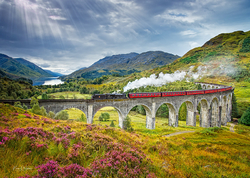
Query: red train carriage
173, 93
229, 88
211, 91
195, 92
221, 89
144, 95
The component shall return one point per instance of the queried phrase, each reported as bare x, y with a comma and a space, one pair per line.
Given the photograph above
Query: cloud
57, 17
70, 34
44, 65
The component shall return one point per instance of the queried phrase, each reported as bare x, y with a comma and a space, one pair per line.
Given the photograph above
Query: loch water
47, 81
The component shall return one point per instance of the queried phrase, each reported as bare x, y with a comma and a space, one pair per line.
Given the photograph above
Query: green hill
21, 67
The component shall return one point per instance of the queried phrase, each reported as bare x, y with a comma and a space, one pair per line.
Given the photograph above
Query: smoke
192, 73
162, 79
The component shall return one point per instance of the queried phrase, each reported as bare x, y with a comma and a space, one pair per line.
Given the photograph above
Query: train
157, 94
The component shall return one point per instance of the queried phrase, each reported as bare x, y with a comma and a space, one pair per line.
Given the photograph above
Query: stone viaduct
215, 107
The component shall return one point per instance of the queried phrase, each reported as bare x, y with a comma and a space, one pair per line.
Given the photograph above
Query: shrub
245, 118
127, 124
51, 114
18, 104
62, 115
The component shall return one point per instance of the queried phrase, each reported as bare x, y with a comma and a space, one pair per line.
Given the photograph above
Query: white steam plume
162, 79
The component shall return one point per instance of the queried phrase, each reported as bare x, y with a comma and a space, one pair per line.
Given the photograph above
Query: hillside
36, 146
21, 67
124, 64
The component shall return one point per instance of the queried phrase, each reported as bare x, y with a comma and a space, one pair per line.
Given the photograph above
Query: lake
47, 81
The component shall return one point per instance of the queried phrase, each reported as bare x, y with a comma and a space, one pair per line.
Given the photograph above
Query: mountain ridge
21, 68
123, 64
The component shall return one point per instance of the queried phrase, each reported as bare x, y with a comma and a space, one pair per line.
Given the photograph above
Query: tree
83, 118
62, 115
127, 124
36, 109
235, 112
104, 117
33, 102
18, 104
245, 118
45, 96
84, 90
112, 124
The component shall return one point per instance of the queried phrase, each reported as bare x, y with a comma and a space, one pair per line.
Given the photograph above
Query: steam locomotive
158, 94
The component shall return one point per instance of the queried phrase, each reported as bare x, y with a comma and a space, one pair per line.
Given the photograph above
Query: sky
66, 35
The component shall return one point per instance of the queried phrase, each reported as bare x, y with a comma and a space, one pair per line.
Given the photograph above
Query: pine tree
112, 124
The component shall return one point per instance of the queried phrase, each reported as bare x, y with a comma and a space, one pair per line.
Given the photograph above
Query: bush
51, 115
245, 118
18, 104
62, 115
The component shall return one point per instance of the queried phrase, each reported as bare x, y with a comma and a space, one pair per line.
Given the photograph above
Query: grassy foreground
36, 146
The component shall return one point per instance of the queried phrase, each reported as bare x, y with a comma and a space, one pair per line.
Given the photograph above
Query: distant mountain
123, 64
21, 67
54, 74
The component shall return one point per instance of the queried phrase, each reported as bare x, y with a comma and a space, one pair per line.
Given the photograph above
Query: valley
35, 141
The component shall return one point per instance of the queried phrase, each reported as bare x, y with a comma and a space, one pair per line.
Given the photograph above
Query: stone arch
150, 119
121, 118
204, 87
224, 108
204, 113
214, 113
212, 87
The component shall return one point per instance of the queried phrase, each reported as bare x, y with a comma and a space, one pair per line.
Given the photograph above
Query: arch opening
75, 114
162, 114
141, 117
108, 115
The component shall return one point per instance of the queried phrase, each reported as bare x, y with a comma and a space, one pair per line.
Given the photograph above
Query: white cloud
188, 33
57, 17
